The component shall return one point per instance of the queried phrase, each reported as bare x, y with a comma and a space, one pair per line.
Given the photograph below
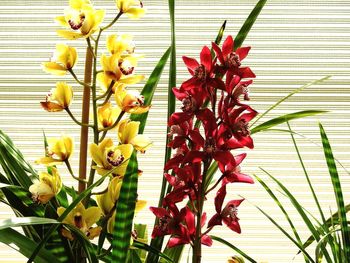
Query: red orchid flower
234, 130
231, 59
228, 214
232, 174
189, 235
169, 221
202, 73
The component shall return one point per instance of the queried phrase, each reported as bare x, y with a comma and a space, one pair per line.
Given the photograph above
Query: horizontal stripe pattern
293, 43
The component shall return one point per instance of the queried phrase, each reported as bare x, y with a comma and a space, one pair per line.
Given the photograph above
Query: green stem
77, 80
72, 173
75, 120
107, 92
115, 123
111, 23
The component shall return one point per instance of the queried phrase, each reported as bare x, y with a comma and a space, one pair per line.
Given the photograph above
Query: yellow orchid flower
109, 157
64, 59
120, 44
83, 219
81, 19
110, 65
59, 150
47, 187
140, 204
128, 133
130, 101
132, 8
104, 81
59, 98
106, 201
107, 115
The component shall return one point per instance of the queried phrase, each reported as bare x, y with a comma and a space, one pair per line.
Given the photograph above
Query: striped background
293, 43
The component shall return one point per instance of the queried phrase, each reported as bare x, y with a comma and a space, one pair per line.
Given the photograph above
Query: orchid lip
200, 72
233, 60
76, 26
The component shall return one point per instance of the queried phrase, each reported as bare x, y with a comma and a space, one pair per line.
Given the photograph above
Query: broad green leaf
125, 212
285, 118
25, 246
78, 199
223, 241
332, 168
133, 257
149, 89
249, 22
288, 96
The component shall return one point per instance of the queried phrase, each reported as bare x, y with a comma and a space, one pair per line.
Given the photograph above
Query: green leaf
223, 241
25, 246
286, 234
78, 199
152, 250
249, 22
300, 210
285, 118
274, 197
288, 96
125, 212
149, 89
332, 168
25, 221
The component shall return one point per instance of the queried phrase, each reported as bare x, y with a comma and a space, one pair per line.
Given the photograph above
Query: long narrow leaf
249, 22
285, 118
152, 250
286, 234
223, 241
25, 246
125, 212
288, 96
25, 221
149, 89
345, 231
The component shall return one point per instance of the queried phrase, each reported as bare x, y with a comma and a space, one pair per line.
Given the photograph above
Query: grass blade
125, 212
25, 221
287, 235
284, 118
223, 241
149, 89
274, 197
249, 22
345, 231
152, 250
289, 95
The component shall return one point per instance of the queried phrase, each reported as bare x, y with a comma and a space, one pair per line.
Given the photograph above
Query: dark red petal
218, 52
239, 158
191, 83
179, 117
215, 220
242, 52
206, 59
206, 240
231, 82
190, 222
171, 179
194, 157
217, 84
159, 211
191, 63
224, 157
219, 198
157, 232
233, 143
236, 203
232, 224
177, 142
246, 141
227, 46
196, 137
173, 162
180, 94
203, 219
248, 116
175, 241
246, 73
236, 177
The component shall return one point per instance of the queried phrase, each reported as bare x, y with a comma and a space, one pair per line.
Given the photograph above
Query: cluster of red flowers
225, 125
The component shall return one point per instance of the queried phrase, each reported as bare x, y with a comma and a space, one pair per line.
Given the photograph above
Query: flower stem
75, 120
72, 173
85, 119
77, 80
115, 123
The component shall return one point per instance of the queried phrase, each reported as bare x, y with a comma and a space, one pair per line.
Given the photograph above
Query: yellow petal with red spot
141, 143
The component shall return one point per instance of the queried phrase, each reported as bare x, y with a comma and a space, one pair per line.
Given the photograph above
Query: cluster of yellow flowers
81, 20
